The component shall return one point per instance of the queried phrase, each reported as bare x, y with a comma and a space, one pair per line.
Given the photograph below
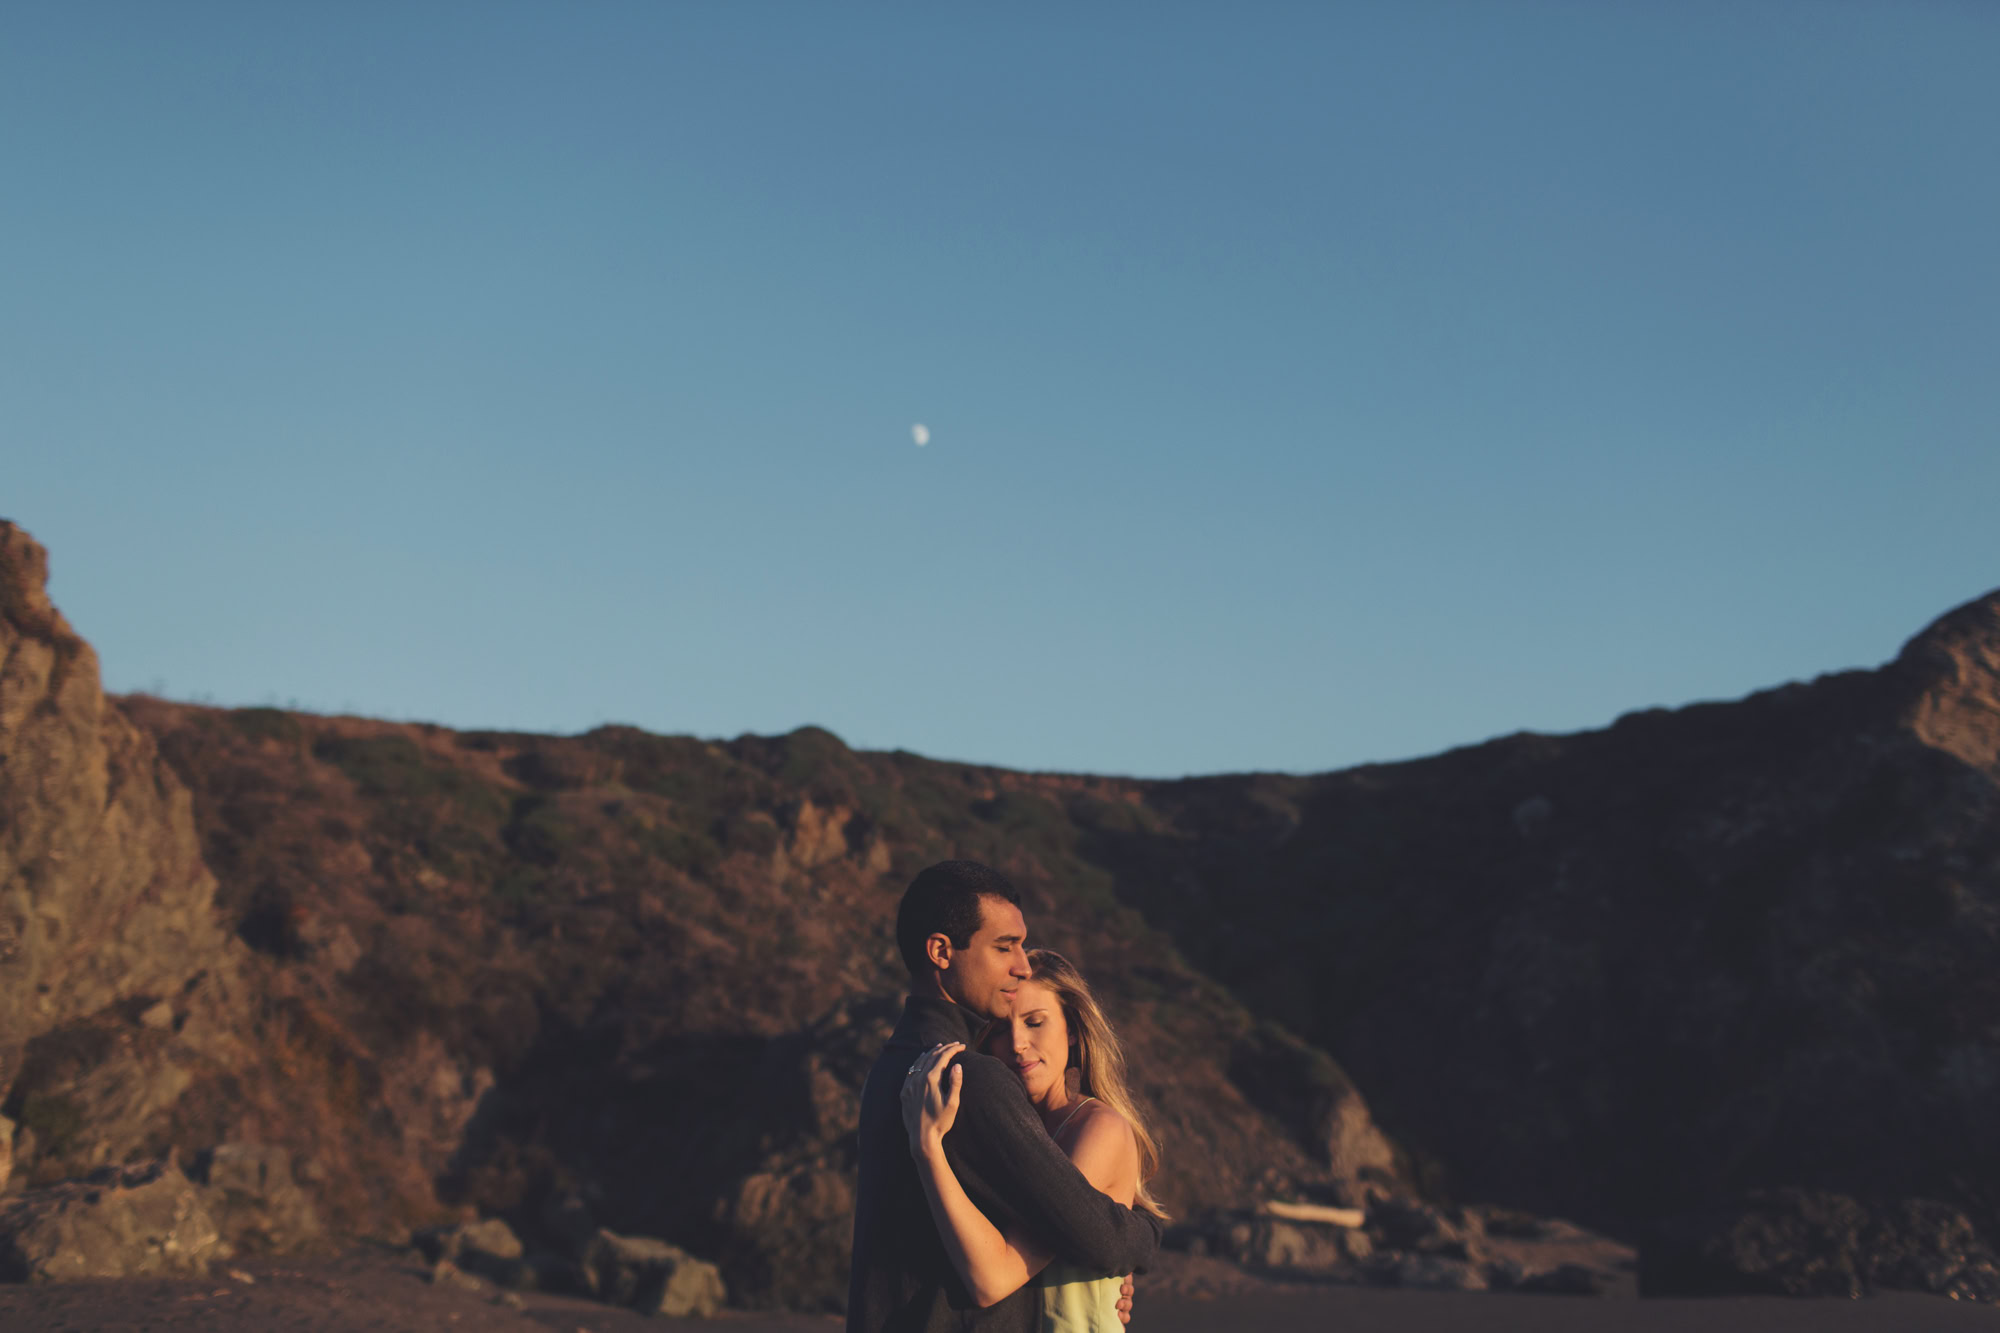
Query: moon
921, 434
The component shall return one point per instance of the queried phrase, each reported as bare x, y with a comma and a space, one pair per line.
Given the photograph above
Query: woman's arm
993, 1266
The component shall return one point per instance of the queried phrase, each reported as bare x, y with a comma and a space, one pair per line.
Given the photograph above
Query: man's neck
935, 991
938, 992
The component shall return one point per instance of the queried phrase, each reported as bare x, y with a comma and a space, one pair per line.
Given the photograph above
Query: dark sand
387, 1291
1372, 1310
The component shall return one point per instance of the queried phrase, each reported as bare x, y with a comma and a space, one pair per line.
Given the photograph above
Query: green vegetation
810, 752
450, 817
749, 833
540, 832
267, 724
396, 767
682, 848
1099, 815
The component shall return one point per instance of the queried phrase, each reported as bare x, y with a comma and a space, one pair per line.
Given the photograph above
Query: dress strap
1068, 1116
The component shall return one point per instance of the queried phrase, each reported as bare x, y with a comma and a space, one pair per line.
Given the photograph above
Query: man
962, 937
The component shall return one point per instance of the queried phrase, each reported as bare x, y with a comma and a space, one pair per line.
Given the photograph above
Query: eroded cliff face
103, 894
1628, 972
654, 971
1951, 673
106, 907
134, 1022
481, 971
1612, 975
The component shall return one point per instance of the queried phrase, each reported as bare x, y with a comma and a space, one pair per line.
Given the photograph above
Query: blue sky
1307, 384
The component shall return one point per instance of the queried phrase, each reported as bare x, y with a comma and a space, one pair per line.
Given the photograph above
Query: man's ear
937, 948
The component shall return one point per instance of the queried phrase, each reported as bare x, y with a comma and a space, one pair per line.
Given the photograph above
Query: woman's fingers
927, 1073
932, 1062
929, 1110
942, 1108
940, 1057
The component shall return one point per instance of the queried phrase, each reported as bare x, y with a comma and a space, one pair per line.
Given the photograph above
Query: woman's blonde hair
1097, 1059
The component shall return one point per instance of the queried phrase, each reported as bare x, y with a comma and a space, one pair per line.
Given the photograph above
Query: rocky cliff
1633, 972
633, 981
649, 973
107, 925
642, 976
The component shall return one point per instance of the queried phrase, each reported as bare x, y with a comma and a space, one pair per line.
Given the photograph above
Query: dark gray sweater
902, 1279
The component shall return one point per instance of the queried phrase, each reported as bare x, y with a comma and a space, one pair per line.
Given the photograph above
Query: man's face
983, 974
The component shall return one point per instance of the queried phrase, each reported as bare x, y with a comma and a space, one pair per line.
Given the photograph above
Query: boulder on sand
1411, 1224
1797, 1242
141, 1221
488, 1248
651, 1276
1284, 1245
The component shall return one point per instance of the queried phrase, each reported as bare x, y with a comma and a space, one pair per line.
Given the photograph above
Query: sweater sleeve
1017, 1175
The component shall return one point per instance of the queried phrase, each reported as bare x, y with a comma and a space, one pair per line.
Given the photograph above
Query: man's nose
1019, 967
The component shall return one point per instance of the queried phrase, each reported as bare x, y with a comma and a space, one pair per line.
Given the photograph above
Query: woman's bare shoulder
1096, 1117
1105, 1149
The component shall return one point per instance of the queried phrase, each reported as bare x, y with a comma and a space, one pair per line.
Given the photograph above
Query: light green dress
1073, 1301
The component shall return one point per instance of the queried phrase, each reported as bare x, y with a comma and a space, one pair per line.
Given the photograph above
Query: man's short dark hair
944, 900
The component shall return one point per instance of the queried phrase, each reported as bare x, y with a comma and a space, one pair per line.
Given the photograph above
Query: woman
1060, 1046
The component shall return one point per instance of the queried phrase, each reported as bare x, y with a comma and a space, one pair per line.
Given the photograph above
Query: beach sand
385, 1291
1372, 1310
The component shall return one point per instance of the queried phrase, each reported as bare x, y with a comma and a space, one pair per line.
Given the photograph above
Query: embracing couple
1003, 1163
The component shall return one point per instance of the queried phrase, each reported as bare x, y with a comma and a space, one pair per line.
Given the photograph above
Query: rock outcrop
1399, 1242
531, 953
487, 1248
1619, 975
1793, 1242
143, 1221
1633, 972
651, 1276
105, 902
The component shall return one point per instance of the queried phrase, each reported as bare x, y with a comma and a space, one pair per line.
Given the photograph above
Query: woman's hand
929, 1108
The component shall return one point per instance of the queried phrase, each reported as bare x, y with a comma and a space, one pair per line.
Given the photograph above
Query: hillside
654, 970
1625, 973
465, 971
1621, 975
